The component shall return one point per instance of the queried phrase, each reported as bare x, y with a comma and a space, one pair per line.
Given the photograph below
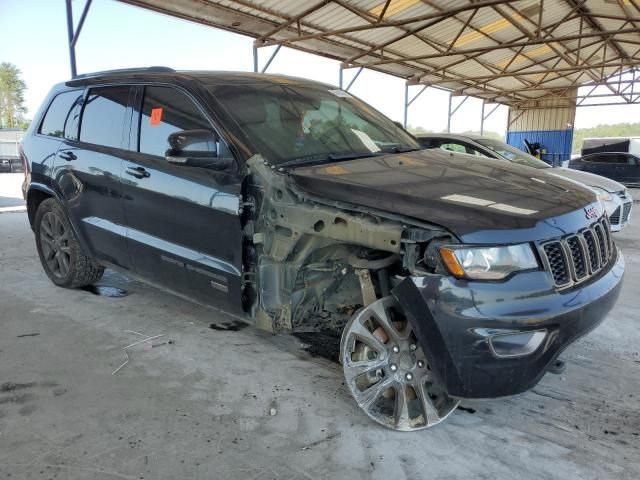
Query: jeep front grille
578, 257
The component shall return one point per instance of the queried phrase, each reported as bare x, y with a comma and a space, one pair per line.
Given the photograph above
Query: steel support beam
484, 117
355, 77
407, 102
74, 34
255, 59
273, 55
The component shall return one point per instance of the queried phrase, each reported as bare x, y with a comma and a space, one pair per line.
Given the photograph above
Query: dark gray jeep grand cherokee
305, 209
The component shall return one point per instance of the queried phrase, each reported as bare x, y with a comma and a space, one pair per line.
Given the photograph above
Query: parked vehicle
615, 198
5, 165
302, 208
621, 167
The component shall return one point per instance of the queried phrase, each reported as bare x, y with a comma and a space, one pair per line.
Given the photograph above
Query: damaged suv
300, 206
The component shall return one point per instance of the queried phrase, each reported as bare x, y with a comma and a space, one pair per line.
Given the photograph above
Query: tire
59, 250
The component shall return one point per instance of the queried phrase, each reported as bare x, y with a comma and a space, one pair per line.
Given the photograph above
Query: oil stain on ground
105, 291
229, 326
325, 344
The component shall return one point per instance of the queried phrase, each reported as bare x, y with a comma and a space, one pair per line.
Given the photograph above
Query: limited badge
156, 116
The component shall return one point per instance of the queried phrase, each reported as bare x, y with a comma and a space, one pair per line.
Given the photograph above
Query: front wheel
388, 373
59, 249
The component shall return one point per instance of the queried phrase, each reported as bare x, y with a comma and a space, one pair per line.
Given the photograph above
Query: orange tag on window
156, 116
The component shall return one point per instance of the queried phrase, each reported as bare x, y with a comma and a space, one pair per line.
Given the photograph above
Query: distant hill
617, 130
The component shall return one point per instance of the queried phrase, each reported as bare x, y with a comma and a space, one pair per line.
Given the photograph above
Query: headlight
488, 263
603, 195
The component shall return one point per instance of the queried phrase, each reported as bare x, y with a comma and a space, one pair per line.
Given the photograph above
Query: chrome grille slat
577, 257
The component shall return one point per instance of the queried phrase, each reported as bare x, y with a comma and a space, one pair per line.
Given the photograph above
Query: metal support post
255, 59
72, 50
74, 35
449, 114
406, 104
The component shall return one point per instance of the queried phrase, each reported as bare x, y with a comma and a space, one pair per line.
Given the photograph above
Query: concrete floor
201, 408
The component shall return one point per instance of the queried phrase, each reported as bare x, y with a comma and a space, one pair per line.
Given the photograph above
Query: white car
614, 196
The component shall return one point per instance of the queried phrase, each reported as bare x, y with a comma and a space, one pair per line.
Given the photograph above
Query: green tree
12, 89
614, 130
418, 129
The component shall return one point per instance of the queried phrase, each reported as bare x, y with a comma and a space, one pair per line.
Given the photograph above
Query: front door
183, 223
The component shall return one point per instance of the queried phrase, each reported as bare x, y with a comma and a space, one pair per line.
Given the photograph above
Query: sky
116, 35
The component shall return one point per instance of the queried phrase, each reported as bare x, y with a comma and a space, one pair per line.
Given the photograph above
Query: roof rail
156, 69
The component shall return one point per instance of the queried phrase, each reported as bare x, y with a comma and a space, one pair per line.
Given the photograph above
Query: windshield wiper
298, 162
402, 150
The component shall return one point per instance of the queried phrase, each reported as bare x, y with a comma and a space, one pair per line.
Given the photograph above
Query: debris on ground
124, 349
318, 442
325, 343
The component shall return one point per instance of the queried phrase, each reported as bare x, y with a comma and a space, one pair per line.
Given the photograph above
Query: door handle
137, 172
67, 155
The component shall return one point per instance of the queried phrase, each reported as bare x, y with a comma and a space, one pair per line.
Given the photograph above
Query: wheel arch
37, 194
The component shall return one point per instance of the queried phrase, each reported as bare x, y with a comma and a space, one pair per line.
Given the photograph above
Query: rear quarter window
61, 119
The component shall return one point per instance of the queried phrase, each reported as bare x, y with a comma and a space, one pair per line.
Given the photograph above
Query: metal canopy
507, 52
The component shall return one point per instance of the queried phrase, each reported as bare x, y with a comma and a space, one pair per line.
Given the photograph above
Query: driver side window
166, 110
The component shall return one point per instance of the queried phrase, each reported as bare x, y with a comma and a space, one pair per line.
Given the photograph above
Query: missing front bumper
460, 323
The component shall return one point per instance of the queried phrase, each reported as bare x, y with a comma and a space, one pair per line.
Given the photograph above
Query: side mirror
196, 148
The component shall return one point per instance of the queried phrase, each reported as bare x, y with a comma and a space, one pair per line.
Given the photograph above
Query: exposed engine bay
310, 264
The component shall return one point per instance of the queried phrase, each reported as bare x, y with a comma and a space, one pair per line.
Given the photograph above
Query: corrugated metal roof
504, 51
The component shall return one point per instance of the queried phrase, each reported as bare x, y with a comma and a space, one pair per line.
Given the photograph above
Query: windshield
512, 154
302, 124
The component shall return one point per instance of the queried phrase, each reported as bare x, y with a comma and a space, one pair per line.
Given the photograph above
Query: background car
619, 166
5, 165
615, 198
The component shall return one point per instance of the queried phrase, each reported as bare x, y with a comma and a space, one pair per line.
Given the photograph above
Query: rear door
183, 224
88, 169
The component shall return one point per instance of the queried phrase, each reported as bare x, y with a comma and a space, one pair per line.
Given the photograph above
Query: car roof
206, 77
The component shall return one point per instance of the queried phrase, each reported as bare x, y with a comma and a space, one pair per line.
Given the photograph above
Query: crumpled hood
587, 178
481, 200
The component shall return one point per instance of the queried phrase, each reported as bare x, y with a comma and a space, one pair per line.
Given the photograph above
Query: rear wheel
59, 249
388, 373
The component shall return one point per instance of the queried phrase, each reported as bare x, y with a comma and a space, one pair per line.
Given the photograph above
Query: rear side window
103, 116
166, 110
61, 119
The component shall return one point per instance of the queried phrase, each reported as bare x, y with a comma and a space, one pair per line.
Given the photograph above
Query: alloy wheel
54, 240
388, 373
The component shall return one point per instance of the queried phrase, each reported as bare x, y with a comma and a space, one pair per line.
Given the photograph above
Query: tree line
12, 88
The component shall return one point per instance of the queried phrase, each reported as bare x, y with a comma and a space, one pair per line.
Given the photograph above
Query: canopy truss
507, 52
